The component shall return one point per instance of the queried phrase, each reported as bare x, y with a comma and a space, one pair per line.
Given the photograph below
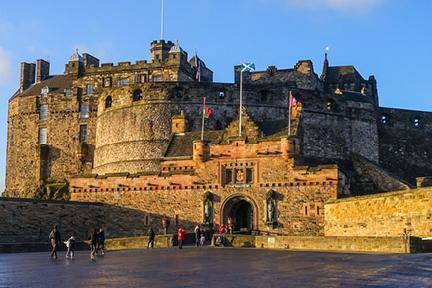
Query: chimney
27, 77
42, 70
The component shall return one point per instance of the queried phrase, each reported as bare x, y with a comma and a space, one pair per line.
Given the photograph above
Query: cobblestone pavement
212, 267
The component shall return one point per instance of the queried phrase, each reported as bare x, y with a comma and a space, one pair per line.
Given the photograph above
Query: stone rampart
30, 221
340, 244
386, 214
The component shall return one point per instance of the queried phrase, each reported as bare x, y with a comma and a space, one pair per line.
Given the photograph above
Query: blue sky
389, 39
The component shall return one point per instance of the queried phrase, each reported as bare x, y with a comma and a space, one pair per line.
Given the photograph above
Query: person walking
180, 237
101, 241
93, 243
151, 237
202, 240
198, 233
70, 244
55, 240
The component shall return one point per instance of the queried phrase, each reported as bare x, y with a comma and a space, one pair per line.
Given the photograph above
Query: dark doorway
239, 213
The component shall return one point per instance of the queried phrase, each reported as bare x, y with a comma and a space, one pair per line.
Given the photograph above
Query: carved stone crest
240, 176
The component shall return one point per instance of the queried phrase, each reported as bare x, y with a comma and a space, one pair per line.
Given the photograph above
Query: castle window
123, 82
229, 176
84, 111
83, 133
416, 122
67, 92
107, 82
249, 175
137, 95
108, 102
330, 105
137, 78
157, 79
385, 119
45, 91
144, 78
43, 135
43, 112
89, 89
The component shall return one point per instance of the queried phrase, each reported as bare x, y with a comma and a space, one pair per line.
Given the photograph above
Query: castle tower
160, 50
75, 65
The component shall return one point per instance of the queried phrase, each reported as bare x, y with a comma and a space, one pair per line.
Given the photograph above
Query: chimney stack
27, 77
42, 70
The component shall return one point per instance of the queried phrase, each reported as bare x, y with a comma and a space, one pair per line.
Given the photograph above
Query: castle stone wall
405, 148
386, 214
31, 220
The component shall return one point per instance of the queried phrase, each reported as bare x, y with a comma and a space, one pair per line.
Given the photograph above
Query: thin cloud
340, 5
5, 67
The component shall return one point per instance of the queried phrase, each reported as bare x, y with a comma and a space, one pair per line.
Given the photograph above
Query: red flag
207, 111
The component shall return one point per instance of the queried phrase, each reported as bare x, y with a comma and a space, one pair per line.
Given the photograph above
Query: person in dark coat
93, 243
151, 237
101, 241
55, 240
198, 233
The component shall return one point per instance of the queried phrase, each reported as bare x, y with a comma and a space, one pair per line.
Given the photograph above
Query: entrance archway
241, 213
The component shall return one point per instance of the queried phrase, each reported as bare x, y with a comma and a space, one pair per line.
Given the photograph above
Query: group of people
222, 230
199, 236
97, 243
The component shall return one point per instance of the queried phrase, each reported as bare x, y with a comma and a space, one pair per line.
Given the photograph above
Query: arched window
137, 95
416, 122
108, 102
330, 104
385, 119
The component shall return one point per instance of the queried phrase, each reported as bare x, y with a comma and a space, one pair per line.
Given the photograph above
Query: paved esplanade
207, 267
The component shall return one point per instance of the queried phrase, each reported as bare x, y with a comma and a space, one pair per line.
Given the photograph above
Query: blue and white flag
247, 67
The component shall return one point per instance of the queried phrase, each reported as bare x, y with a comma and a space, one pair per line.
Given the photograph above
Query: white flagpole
289, 113
162, 21
241, 101
203, 120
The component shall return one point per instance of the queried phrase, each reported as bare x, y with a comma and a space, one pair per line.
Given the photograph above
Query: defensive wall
385, 214
405, 147
30, 221
331, 243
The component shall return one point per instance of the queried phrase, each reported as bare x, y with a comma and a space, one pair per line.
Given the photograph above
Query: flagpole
162, 20
241, 101
289, 113
202, 123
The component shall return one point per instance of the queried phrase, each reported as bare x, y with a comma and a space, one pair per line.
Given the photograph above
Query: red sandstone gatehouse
251, 182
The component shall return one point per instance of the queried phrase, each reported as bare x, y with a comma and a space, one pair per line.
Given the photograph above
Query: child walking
70, 244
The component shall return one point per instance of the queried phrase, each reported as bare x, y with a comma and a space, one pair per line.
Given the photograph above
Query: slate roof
345, 74
181, 144
56, 83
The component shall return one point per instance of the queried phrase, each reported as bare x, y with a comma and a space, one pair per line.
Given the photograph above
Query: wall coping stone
59, 202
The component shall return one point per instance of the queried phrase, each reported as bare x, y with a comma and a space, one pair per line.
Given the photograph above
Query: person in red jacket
180, 237
222, 229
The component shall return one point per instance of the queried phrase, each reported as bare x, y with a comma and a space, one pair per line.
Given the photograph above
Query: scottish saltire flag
247, 67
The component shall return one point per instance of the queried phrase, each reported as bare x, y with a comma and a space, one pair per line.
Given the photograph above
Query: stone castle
129, 135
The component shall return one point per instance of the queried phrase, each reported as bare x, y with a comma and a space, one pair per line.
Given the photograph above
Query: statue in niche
271, 208
208, 209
